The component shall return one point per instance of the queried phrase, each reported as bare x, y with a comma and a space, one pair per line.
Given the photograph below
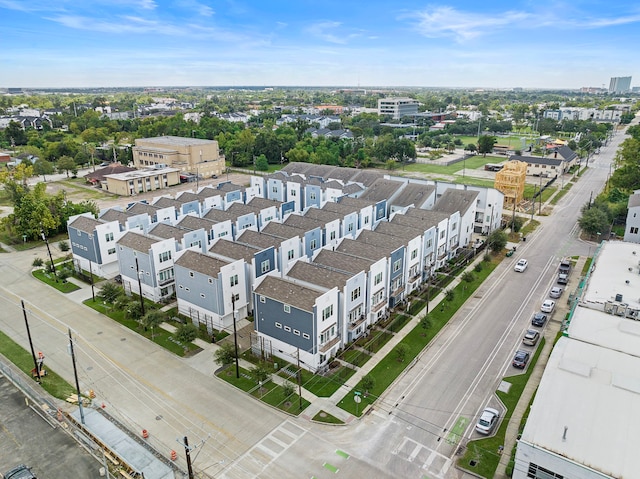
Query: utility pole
33, 353
93, 293
533, 201
187, 453
235, 333
75, 375
299, 383
140, 287
46, 240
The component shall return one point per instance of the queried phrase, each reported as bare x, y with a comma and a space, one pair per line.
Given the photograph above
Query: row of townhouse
225, 248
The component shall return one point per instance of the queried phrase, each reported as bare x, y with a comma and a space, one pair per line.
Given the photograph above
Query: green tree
401, 352
43, 167
225, 354
594, 221
66, 163
110, 291
425, 323
497, 240
261, 163
368, 383
287, 389
260, 373
153, 319
186, 333
485, 144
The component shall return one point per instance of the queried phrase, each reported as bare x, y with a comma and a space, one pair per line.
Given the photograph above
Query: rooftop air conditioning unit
609, 307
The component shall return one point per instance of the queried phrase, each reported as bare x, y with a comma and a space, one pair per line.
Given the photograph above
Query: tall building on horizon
620, 85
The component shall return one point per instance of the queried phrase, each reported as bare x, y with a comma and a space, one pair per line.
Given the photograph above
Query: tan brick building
188, 155
131, 183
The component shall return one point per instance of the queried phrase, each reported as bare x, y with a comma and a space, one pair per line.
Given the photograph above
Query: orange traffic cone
174, 455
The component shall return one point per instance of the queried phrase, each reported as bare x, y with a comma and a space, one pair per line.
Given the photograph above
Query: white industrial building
585, 418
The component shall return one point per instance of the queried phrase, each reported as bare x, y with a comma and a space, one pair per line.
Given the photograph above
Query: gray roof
634, 200
356, 202
164, 202
230, 249
86, 224
200, 262
362, 250
259, 240
142, 208
297, 167
317, 274
240, 209
187, 197
303, 222
166, 231
340, 208
409, 221
263, 203
453, 200
381, 189
282, 231
227, 187
342, 262
113, 214
391, 243
219, 216
352, 188
414, 194
208, 192
137, 242
567, 153
404, 232
192, 222
288, 292
430, 217
322, 215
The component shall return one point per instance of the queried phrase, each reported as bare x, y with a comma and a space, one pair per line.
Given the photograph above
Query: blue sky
497, 44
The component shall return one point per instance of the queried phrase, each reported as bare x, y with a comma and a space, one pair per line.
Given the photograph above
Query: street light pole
235, 333
139, 287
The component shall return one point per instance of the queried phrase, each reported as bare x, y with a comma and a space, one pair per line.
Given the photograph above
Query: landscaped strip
48, 278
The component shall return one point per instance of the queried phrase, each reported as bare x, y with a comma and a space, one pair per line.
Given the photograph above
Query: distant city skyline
466, 44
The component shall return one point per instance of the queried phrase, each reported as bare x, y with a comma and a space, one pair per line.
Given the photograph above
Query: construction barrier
174, 455
145, 434
92, 395
60, 415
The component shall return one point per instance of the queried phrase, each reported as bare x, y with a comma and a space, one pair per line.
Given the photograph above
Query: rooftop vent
619, 297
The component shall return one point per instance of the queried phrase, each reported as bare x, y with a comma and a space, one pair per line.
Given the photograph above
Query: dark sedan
520, 359
539, 319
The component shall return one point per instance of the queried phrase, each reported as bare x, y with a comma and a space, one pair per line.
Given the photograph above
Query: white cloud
323, 30
448, 22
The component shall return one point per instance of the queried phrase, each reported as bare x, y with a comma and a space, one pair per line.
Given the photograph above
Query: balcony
377, 307
327, 346
164, 282
354, 324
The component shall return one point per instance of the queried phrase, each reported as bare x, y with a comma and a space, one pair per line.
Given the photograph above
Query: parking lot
26, 438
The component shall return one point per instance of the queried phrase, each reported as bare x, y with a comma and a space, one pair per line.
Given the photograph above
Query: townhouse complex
315, 254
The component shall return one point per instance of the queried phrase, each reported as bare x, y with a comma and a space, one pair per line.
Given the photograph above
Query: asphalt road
413, 431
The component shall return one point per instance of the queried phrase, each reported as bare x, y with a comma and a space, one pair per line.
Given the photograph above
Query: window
278, 325
355, 294
111, 251
378, 279
429, 243
164, 256
350, 227
292, 192
332, 236
263, 299
539, 472
222, 233
327, 312
396, 265
366, 220
414, 254
202, 295
287, 329
287, 308
210, 280
234, 280
191, 274
290, 254
108, 237
236, 297
313, 244
165, 275
633, 230
442, 234
454, 226
265, 266
296, 332
305, 336
312, 195
274, 189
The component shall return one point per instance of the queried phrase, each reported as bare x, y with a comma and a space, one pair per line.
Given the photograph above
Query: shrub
38, 262
478, 267
64, 246
110, 292
186, 333
401, 352
368, 383
287, 389
468, 277
225, 354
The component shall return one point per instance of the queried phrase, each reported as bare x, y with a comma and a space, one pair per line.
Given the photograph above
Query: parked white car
548, 306
488, 421
521, 265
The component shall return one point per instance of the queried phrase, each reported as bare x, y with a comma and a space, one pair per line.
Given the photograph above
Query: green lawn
269, 393
391, 366
58, 284
323, 416
474, 162
52, 383
485, 452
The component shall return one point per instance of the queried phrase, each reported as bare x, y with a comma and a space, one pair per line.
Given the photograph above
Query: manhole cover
123, 339
158, 418
99, 332
89, 368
